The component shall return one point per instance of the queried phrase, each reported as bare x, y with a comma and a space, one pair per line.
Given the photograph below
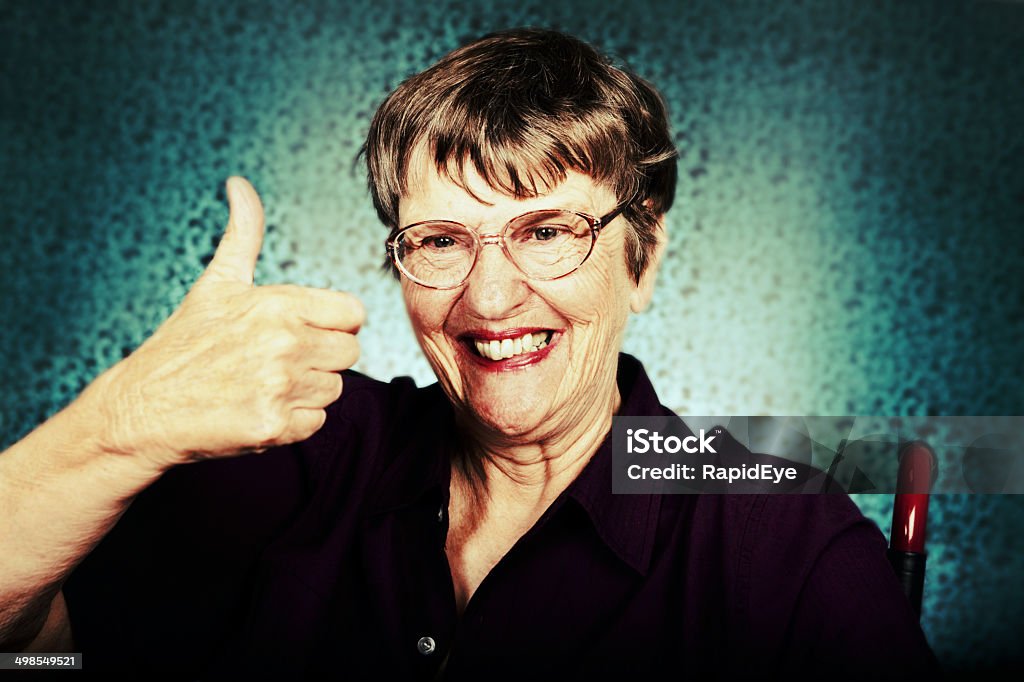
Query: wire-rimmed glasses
544, 245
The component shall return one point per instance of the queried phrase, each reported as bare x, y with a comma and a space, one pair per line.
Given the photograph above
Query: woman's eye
545, 233
441, 241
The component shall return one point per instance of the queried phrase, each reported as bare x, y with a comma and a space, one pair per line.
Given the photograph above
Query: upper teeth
507, 348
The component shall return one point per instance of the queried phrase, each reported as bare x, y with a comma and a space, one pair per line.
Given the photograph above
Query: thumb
239, 248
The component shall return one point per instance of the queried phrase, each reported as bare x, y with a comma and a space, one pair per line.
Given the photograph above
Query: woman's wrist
104, 423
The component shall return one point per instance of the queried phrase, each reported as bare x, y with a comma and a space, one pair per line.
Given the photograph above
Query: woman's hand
236, 368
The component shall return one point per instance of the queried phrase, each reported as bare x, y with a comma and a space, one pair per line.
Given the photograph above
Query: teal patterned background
848, 236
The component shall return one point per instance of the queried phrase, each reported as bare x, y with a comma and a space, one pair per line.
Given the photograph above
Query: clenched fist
236, 368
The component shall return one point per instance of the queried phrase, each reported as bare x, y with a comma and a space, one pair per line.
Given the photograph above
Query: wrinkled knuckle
322, 419
307, 424
279, 384
354, 350
357, 310
282, 341
275, 304
362, 312
273, 427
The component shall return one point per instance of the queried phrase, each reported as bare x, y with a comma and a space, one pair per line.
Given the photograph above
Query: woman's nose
496, 288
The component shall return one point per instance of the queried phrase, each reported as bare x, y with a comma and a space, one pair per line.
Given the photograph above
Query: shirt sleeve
165, 585
185, 579
852, 615
821, 594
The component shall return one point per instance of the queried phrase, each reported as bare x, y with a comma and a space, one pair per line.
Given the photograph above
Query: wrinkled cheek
427, 309
443, 361
413, 304
598, 312
597, 308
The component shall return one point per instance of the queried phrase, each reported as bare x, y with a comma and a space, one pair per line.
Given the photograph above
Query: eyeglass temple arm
614, 213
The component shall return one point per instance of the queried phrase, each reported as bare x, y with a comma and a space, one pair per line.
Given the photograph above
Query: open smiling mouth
519, 346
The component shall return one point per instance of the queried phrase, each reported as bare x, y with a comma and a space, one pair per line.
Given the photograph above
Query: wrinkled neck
531, 470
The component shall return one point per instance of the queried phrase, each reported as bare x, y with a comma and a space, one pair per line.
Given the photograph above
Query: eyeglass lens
543, 244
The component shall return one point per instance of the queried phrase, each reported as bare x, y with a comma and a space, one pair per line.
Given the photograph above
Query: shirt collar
419, 446
625, 523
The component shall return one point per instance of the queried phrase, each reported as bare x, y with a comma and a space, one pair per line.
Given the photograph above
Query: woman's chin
510, 418
514, 403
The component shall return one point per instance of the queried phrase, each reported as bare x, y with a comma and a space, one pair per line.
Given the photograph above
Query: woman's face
536, 394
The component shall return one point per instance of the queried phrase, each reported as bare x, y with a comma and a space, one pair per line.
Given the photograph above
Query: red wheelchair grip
910, 520
910, 508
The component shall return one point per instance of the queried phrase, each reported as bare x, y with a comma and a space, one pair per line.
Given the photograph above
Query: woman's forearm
61, 490
236, 369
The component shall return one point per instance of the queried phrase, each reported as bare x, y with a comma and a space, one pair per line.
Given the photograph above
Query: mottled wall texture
848, 236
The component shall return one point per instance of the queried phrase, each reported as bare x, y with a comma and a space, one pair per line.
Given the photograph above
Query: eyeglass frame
595, 224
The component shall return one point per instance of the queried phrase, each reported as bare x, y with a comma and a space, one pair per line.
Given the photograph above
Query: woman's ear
640, 297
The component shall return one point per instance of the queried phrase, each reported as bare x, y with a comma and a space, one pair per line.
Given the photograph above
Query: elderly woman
466, 530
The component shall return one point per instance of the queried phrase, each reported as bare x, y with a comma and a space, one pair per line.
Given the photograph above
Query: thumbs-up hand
236, 368
239, 249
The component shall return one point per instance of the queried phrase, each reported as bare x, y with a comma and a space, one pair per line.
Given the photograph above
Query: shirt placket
430, 629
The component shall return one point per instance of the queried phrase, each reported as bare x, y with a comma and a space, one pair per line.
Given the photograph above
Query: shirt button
426, 645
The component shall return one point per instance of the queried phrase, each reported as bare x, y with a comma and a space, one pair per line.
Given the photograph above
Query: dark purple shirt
327, 558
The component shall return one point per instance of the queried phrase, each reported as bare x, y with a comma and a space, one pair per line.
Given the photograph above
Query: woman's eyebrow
574, 206
574, 202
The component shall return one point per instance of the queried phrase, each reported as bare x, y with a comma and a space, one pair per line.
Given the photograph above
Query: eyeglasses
544, 245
